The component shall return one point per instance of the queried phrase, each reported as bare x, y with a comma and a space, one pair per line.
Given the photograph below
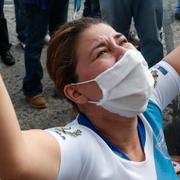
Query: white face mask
126, 86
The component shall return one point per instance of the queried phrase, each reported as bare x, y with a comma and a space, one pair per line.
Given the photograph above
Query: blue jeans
147, 16
38, 20
4, 38
20, 20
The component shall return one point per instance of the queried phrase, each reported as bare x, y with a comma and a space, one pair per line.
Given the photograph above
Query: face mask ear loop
92, 102
84, 82
80, 83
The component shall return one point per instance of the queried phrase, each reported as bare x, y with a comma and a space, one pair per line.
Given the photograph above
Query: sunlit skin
102, 48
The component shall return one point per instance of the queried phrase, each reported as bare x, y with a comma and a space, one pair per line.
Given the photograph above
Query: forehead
93, 35
96, 32
89, 39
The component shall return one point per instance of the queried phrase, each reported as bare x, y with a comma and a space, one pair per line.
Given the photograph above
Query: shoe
7, 58
177, 13
38, 101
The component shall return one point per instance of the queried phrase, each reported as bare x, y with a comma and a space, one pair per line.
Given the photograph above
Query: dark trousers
38, 21
58, 13
20, 21
92, 9
4, 38
147, 15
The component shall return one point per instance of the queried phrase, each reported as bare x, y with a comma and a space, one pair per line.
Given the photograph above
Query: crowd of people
37, 20
117, 91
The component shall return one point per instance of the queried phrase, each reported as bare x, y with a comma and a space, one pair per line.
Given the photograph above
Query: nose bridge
116, 49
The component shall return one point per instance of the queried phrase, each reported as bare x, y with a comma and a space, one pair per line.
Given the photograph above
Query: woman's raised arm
32, 154
173, 58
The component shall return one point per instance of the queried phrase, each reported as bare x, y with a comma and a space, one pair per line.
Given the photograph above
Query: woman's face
99, 47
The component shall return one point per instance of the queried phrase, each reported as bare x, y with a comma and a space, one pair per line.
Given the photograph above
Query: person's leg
58, 14
4, 38
87, 8
6, 56
177, 12
2, 8
92, 9
117, 13
148, 17
20, 21
37, 20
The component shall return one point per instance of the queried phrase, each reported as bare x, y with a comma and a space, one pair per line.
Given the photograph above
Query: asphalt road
57, 113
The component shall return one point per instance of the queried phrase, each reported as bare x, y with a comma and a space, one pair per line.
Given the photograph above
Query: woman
109, 84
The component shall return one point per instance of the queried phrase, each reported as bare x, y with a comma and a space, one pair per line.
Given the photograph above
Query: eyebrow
102, 44
119, 35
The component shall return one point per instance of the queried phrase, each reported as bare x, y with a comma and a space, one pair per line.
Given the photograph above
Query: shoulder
78, 145
72, 132
167, 84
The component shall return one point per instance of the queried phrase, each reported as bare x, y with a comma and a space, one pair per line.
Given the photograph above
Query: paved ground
57, 113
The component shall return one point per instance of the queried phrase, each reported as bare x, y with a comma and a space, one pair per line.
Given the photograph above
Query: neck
121, 131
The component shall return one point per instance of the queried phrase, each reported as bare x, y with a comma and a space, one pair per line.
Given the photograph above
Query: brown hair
61, 55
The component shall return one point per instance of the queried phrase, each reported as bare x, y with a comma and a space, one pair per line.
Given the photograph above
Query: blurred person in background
5, 53
20, 16
147, 16
41, 15
177, 11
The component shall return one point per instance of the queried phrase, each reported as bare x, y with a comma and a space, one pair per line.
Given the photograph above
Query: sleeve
167, 84
71, 157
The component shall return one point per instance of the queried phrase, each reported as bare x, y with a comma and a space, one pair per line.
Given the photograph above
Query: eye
100, 53
122, 41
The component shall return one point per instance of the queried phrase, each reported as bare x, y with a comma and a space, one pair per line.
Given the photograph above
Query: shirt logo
155, 75
63, 131
164, 71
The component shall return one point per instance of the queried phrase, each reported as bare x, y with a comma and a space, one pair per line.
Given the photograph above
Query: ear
72, 93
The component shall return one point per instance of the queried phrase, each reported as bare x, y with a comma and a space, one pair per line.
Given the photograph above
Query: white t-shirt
86, 155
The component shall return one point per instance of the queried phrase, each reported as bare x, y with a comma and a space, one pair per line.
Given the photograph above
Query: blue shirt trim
83, 120
163, 164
